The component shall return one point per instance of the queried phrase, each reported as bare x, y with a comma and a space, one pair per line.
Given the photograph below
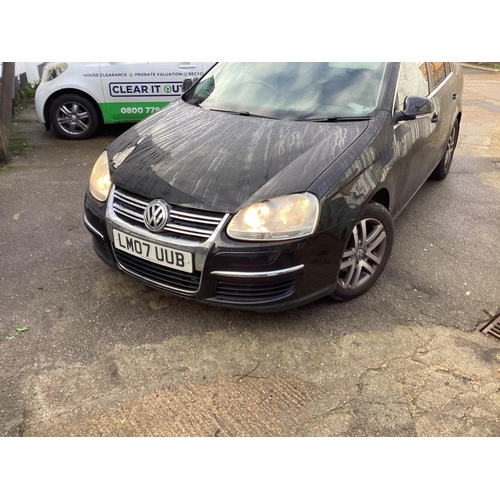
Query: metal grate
493, 327
196, 226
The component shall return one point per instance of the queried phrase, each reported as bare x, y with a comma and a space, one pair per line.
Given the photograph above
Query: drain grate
493, 327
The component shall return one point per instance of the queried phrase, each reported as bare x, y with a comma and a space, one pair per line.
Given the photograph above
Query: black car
270, 185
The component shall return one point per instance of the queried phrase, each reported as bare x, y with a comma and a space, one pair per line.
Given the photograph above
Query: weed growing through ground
18, 330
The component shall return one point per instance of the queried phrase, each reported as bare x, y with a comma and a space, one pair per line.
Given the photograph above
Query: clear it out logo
144, 89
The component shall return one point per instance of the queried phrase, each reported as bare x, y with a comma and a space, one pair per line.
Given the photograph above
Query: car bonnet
222, 162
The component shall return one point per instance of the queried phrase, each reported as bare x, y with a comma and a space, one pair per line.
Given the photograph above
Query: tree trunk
6, 98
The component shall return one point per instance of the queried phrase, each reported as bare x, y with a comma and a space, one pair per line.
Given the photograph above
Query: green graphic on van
119, 112
167, 89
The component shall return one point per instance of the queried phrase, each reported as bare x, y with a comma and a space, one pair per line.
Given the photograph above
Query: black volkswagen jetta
269, 185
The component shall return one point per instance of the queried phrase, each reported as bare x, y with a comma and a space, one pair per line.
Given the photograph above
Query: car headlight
100, 181
281, 218
53, 70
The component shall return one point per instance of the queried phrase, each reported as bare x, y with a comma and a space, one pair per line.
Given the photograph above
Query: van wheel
441, 171
73, 116
366, 252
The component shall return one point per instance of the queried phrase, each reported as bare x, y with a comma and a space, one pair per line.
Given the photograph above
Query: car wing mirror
415, 107
188, 83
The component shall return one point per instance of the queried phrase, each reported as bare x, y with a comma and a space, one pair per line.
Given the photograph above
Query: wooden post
6, 98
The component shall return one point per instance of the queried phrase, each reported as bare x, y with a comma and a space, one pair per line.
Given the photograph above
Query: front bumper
41, 97
260, 276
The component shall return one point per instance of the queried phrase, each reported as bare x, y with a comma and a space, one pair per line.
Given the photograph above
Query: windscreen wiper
336, 119
242, 113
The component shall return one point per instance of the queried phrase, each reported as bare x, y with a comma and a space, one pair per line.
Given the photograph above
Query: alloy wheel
73, 118
450, 148
363, 254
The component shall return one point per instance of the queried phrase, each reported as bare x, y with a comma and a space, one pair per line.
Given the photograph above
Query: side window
438, 72
413, 80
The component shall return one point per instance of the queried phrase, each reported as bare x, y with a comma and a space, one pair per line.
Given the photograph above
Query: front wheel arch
365, 260
382, 197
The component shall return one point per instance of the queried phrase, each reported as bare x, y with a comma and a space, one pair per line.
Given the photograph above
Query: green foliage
17, 145
27, 93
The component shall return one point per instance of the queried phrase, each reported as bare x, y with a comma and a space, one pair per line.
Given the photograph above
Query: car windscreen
291, 90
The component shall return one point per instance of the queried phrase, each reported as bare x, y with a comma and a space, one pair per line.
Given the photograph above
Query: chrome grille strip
177, 214
129, 213
128, 207
131, 201
189, 230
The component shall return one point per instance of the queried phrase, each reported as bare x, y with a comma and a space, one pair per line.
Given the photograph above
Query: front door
414, 140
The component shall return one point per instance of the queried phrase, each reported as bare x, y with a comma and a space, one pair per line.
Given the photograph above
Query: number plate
163, 256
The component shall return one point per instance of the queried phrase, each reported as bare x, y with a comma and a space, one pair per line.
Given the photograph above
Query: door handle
434, 118
454, 96
186, 65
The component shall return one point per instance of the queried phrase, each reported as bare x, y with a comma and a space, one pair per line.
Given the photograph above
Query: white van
74, 98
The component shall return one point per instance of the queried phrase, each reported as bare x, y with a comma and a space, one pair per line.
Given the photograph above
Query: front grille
253, 292
159, 275
185, 224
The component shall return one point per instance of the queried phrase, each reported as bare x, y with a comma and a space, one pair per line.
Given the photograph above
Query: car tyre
366, 252
443, 168
74, 116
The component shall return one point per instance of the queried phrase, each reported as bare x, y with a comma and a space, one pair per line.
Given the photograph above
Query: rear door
445, 104
134, 90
